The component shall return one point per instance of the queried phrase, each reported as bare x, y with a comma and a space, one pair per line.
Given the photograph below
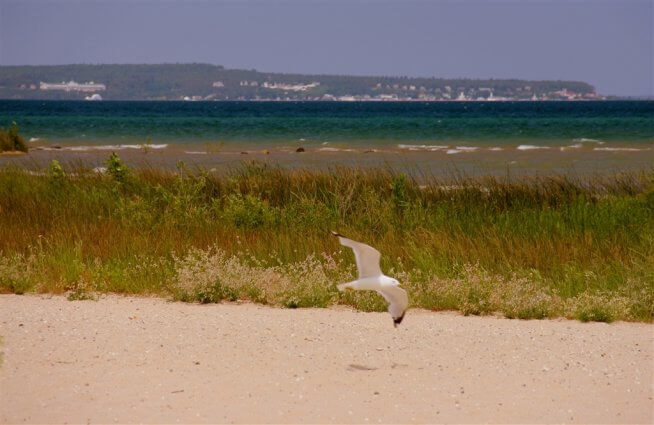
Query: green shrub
10, 140
57, 173
399, 194
215, 293
16, 273
81, 290
247, 211
598, 307
117, 168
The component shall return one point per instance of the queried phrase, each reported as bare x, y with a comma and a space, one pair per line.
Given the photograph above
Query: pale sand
149, 360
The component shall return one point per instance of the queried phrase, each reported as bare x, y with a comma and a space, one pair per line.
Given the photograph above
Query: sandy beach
147, 360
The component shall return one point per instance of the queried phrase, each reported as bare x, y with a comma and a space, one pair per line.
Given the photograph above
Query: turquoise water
375, 124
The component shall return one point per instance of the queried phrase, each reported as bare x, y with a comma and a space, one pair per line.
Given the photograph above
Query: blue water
347, 123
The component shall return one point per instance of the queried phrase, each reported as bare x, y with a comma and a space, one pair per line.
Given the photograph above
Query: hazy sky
608, 43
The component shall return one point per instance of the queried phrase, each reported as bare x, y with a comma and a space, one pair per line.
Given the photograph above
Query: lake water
407, 125
476, 137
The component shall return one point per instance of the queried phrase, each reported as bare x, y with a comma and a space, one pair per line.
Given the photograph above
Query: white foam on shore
531, 147
447, 149
423, 147
575, 146
86, 148
460, 149
34, 139
585, 140
621, 149
196, 152
335, 150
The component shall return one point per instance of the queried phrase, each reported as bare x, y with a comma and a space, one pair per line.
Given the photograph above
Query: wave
423, 147
34, 139
585, 140
531, 147
85, 148
460, 149
336, 150
621, 149
196, 152
575, 146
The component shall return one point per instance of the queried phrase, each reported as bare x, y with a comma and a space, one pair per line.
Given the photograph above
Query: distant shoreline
214, 82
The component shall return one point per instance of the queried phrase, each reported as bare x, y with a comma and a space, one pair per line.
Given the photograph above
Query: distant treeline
176, 81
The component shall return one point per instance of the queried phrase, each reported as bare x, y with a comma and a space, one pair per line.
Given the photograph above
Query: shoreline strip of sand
123, 359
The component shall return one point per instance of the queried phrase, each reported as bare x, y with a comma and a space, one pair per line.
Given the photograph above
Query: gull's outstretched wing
367, 257
398, 301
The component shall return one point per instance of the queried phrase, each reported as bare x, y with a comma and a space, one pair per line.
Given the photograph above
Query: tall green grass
579, 247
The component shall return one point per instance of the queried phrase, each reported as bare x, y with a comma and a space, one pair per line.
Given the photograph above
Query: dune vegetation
11, 141
559, 246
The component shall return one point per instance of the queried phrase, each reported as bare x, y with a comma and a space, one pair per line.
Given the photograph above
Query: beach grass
556, 246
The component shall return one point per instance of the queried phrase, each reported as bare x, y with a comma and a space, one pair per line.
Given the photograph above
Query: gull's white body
371, 278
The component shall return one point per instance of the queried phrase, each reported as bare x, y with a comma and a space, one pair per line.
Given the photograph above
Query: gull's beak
398, 320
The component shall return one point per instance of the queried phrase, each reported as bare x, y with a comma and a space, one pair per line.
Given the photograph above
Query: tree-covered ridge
213, 82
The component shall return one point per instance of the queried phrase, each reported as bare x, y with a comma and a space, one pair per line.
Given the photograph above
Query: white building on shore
289, 87
73, 86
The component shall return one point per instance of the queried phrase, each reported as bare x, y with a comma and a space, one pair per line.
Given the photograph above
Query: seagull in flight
371, 278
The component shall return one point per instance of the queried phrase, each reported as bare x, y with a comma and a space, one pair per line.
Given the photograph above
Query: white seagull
371, 278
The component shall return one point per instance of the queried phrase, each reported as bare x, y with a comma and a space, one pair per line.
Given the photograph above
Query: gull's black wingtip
337, 234
398, 320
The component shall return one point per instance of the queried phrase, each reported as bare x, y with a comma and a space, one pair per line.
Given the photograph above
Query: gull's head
398, 320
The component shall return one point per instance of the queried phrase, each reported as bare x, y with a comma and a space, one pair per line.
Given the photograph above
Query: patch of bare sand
148, 360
